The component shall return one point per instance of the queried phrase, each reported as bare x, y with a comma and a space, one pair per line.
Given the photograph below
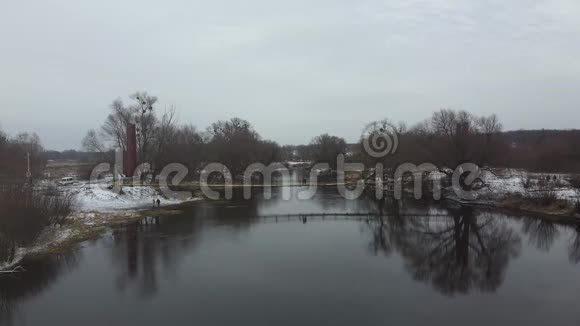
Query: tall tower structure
131, 155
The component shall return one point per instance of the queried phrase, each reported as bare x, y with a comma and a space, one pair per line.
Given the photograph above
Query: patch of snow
95, 197
20, 253
53, 235
511, 181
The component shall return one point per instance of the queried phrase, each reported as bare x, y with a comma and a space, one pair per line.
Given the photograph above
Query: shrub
25, 212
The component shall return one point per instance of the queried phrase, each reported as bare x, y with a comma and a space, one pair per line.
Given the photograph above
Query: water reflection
574, 247
455, 254
541, 233
145, 249
455, 251
385, 230
462, 253
151, 248
39, 276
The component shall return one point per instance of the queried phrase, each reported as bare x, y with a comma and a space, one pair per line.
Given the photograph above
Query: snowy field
517, 182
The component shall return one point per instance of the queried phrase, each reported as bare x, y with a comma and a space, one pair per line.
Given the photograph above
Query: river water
249, 263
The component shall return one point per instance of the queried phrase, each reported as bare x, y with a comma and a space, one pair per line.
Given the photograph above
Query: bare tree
233, 144
381, 136
92, 142
326, 148
451, 138
163, 134
14, 153
146, 122
141, 112
186, 146
236, 144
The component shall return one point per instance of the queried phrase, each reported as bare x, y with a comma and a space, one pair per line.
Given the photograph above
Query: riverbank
99, 209
547, 196
560, 212
82, 226
557, 210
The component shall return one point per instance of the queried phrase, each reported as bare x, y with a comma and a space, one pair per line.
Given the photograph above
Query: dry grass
545, 198
547, 204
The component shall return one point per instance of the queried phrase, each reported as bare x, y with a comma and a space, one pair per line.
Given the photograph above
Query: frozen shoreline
95, 209
97, 198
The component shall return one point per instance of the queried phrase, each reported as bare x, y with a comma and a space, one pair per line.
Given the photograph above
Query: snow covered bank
517, 182
96, 207
95, 197
51, 236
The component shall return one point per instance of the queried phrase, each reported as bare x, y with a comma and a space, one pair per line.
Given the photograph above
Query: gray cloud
294, 68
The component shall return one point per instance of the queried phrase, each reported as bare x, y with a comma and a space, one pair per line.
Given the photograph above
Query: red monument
131, 155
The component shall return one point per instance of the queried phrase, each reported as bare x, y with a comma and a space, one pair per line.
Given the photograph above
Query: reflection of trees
39, 275
455, 254
461, 253
541, 233
381, 237
387, 230
574, 247
147, 249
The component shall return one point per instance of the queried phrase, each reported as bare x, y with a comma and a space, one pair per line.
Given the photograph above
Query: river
250, 263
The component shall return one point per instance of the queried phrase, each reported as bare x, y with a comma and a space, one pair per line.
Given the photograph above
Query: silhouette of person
158, 202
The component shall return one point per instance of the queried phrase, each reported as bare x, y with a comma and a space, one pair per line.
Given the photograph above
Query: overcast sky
293, 68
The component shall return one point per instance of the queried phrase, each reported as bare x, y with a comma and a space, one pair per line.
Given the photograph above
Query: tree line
161, 139
447, 138
25, 211
14, 153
